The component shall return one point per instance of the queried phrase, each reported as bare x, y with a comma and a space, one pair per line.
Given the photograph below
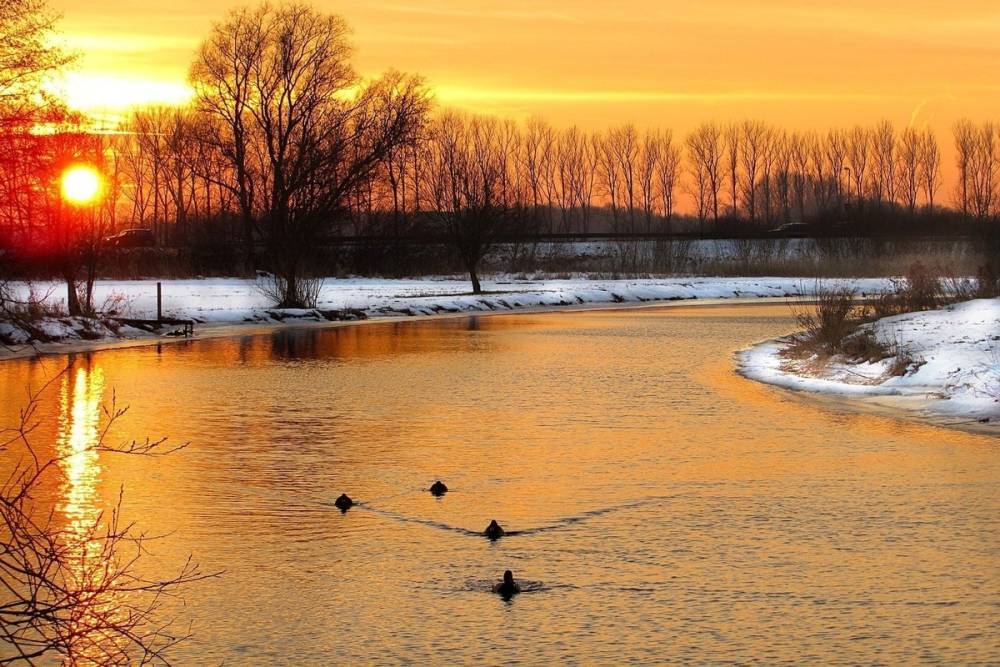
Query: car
132, 238
792, 230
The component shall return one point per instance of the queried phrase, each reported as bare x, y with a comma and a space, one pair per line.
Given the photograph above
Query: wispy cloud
470, 94
525, 14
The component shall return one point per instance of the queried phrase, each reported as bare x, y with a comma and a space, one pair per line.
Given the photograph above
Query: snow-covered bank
952, 362
234, 300
240, 302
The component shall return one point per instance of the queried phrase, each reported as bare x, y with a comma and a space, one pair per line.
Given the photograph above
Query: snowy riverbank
233, 302
952, 355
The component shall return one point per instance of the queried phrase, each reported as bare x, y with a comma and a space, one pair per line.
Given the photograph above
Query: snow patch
956, 369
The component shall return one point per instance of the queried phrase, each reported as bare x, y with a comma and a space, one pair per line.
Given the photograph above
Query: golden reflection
79, 430
79, 435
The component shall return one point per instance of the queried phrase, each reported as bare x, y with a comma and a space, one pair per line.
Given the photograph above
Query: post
159, 302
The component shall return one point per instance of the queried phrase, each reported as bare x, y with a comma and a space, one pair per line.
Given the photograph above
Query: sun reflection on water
90, 562
79, 430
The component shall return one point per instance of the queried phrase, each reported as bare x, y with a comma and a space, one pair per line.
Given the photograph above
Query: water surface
670, 509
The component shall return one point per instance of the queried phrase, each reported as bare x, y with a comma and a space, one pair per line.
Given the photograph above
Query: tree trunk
476, 287
248, 249
72, 300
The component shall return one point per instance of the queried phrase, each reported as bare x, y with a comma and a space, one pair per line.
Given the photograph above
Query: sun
81, 185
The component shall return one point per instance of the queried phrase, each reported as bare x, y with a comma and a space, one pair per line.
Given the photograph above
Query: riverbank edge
761, 362
210, 331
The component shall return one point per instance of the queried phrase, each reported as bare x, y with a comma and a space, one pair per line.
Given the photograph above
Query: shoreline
951, 375
211, 331
908, 408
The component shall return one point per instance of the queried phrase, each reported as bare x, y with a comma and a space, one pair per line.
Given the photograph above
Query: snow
955, 368
234, 300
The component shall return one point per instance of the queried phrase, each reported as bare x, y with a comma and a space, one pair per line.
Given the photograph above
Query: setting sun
81, 185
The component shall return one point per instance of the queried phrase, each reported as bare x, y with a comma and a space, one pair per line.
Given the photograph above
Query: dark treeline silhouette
285, 152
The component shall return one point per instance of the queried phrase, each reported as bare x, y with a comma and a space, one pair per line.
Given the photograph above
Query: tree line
285, 146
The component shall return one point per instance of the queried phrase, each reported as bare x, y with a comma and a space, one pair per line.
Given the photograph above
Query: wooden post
159, 302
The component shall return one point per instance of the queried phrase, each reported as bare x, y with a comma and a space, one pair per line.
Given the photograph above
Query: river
667, 509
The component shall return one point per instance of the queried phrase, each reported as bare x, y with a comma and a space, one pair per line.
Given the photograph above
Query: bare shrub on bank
75, 593
926, 288
303, 294
827, 323
836, 325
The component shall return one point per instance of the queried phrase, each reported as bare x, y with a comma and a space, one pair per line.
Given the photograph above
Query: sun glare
96, 92
81, 184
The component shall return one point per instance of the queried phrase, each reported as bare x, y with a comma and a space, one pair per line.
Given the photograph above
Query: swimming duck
344, 502
494, 531
438, 488
508, 587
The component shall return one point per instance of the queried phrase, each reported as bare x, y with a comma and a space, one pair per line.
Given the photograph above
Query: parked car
132, 238
792, 230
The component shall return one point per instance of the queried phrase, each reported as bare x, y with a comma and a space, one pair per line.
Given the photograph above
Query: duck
508, 587
438, 488
494, 531
344, 502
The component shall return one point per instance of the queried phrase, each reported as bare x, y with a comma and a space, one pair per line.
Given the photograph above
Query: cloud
469, 94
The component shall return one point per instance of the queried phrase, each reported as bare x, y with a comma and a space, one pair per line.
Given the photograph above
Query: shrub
987, 282
827, 323
923, 288
304, 294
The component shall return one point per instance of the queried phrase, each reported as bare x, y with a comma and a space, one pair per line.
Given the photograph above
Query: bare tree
536, 152
465, 192
824, 178
883, 175
733, 135
858, 151
705, 150
649, 160
965, 145
752, 146
771, 151
668, 173
572, 159
28, 55
278, 81
983, 167
222, 79
908, 170
799, 150
623, 147
836, 158
930, 166
783, 172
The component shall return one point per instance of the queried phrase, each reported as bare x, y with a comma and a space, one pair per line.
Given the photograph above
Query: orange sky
667, 63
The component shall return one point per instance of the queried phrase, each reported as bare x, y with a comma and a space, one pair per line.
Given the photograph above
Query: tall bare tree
908, 159
28, 55
649, 159
752, 146
301, 135
883, 175
705, 151
733, 136
965, 145
930, 166
858, 152
668, 172
983, 167
836, 147
465, 186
